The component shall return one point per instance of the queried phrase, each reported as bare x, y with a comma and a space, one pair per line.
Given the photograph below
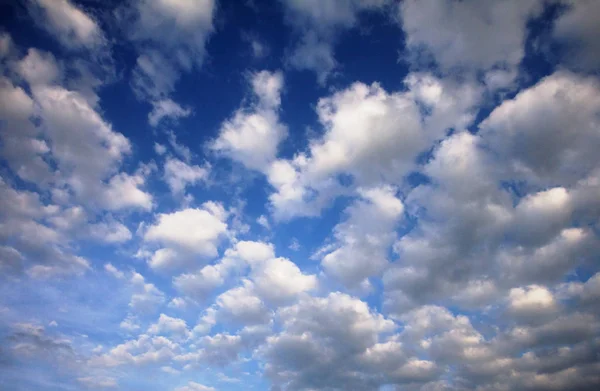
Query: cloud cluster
437, 233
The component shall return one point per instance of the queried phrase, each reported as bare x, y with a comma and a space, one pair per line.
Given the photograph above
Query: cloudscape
285, 195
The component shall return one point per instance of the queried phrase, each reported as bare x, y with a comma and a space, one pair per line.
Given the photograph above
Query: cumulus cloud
171, 326
179, 175
435, 230
370, 135
253, 134
186, 233
469, 35
363, 240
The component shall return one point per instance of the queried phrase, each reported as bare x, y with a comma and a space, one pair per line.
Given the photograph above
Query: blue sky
202, 195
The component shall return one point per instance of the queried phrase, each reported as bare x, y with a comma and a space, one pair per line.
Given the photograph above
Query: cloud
252, 136
363, 240
370, 135
469, 36
325, 342
193, 386
34, 246
242, 305
167, 109
143, 351
192, 231
454, 209
114, 271
179, 175
319, 25
575, 28
170, 37
533, 301
146, 297
68, 23
543, 115
174, 327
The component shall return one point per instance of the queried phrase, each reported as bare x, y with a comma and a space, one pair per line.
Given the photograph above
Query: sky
203, 195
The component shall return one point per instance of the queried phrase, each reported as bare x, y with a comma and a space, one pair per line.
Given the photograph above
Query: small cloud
294, 245
263, 221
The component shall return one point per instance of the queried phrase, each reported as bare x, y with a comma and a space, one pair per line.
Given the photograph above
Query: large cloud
486, 36
371, 135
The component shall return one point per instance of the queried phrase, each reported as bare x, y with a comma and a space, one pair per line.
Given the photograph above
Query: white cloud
170, 326
178, 303
110, 232
253, 134
192, 231
468, 35
263, 221
167, 109
370, 135
319, 24
321, 341
171, 35
39, 67
200, 284
145, 350
278, 280
254, 252
40, 249
124, 191
179, 175
242, 305
364, 238
69, 23
193, 386
534, 131
531, 302
22, 147
110, 268
146, 297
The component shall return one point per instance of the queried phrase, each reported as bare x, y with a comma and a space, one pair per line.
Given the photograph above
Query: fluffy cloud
253, 134
363, 240
548, 133
371, 135
532, 302
170, 326
242, 305
146, 297
186, 233
458, 199
334, 342
469, 35
145, 350
179, 175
